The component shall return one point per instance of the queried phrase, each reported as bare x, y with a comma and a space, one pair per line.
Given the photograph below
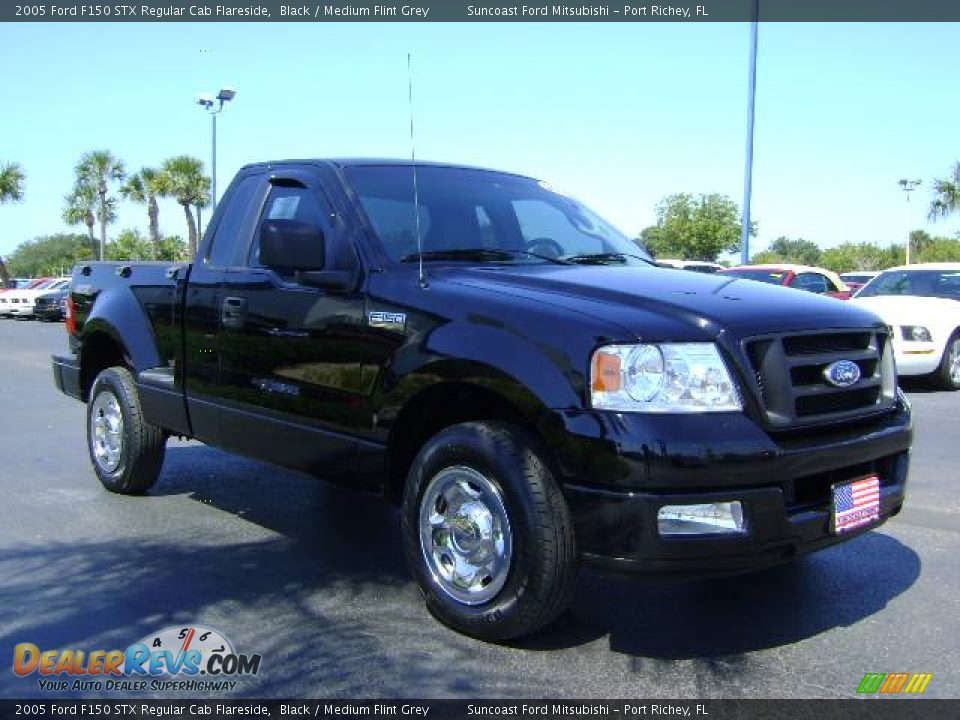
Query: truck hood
912, 309
696, 305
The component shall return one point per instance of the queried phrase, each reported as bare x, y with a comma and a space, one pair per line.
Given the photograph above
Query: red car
800, 277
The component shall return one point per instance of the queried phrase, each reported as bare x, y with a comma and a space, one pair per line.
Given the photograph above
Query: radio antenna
421, 277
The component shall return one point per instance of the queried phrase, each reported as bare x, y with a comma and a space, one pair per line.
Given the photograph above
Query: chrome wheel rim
465, 535
955, 363
106, 431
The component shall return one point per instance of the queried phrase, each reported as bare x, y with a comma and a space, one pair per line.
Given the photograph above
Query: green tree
182, 178
694, 228
862, 256
766, 257
799, 251
98, 169
143, 188
920, 243
941, 249
130, 245
12, 181
78, 209
173, 248
49, 254
947, 198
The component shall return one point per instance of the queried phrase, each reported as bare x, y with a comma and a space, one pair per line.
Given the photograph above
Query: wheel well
428, 413
99, 352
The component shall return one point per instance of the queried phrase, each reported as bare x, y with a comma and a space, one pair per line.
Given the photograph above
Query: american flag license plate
856, 504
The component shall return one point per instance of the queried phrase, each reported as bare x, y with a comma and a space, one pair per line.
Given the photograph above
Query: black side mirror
292, 244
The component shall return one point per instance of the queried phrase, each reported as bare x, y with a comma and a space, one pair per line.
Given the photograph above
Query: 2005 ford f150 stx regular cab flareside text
513, 372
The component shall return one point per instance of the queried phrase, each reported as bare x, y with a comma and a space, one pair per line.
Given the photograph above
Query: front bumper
917, 358
627, 466
49, 312
22, 310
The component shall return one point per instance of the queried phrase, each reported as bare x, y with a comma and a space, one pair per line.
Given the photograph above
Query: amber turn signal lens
605, 372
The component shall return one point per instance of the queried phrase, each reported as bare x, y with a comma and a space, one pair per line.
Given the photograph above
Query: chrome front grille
789, 372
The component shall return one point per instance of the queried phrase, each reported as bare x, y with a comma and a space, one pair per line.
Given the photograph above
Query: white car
922, 305
700, 266
19, 303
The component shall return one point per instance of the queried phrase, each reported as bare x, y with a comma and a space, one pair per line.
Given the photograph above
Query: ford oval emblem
842, 373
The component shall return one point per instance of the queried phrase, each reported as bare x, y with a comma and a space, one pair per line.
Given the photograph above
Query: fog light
722, 518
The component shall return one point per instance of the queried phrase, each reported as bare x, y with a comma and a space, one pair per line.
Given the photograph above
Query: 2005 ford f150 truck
507, 367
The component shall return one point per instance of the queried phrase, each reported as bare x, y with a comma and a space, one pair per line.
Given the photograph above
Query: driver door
289, 355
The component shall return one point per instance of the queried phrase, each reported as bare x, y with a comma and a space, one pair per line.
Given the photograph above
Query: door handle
233, 312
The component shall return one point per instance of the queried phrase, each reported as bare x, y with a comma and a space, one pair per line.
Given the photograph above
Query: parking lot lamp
908, 186
214, 106
751, 105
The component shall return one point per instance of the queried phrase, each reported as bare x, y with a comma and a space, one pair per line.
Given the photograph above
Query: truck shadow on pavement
724, 617
669, 619
315, 581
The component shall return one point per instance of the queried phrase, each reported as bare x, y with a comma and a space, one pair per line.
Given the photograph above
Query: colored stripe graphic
871, 682
893, 683
918, 683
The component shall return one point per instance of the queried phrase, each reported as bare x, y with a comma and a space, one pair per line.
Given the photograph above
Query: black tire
945, 376
137, 462
541, 569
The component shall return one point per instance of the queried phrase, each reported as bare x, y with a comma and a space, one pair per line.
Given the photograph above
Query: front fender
530, 375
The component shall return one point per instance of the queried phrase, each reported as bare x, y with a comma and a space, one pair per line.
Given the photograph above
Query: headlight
667, 378
915, 333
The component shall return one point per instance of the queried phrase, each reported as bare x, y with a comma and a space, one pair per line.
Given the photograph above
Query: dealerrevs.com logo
194, 658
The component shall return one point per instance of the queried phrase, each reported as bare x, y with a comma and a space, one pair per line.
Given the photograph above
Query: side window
811, 282
232, 233
830, 284
289, 200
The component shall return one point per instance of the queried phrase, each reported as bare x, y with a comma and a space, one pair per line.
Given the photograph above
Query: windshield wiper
481, 254
603, 258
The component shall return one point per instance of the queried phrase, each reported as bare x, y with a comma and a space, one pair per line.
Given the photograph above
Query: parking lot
312, 577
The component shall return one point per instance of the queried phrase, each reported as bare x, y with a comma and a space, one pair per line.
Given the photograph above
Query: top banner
485, 11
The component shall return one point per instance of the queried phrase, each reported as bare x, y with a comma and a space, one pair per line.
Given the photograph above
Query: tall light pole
748, 169
908, 186
207, 103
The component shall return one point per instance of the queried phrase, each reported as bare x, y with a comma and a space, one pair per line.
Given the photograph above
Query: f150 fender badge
389, 320
842, 373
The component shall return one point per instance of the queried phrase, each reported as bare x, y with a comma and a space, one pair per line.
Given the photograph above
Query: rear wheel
487, 532
948, 374
127, 452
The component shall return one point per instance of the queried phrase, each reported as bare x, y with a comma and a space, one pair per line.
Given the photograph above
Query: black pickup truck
500, 362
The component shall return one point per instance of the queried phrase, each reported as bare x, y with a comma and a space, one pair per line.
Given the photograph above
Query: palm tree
97, 169
947, 199
11, 182
11, 190
144, 188
78, 209
182, 178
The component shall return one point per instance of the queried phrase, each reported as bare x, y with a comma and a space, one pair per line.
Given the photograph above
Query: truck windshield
482, 216
927, 283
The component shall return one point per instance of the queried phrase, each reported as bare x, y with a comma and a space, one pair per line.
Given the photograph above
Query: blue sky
619, 115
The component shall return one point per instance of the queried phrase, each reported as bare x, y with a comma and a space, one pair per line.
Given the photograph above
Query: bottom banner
880, 709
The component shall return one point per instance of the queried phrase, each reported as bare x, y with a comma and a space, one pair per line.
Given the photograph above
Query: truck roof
369, 162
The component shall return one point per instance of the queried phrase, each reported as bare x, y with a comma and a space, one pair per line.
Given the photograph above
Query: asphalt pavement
312, 577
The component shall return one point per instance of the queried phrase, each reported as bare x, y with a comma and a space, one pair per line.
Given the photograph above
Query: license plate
856, 504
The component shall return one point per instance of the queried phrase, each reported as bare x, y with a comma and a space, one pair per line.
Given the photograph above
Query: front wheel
127, 452
948, 374
487, 532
